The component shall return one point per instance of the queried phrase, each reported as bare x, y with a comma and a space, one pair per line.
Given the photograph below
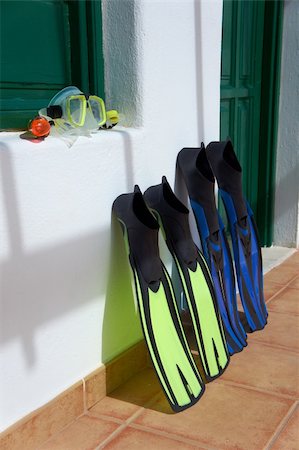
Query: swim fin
243, 230
162, 327
194, 276
200, 183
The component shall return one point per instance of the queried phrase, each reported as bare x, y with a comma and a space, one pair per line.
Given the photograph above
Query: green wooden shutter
45, 46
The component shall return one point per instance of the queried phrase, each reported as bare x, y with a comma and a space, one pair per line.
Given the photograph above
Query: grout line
104, 417
282, 425
279, 347
293, 288
135, 415
174, 437
121, 428
282, 283
260, 342
276, 293
116, 419
288, 313
85, 409
274, 312
282, 288
293, 279
111, 436
256, 389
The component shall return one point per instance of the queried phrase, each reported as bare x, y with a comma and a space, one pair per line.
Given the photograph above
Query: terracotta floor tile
294, 266
286, 301
133, 439
271, 289
295, 283
281, 331
264, 367
83, 434
292, 260
46, 421
114, 407
227, 417
268, 282
128, 398
289, 437
281, 274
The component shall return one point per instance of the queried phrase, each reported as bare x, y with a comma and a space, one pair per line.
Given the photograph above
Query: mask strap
54, 111
112, 119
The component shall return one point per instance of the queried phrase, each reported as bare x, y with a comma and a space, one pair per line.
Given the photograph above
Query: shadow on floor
143, 390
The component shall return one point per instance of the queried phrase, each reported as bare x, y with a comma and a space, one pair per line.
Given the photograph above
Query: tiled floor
252, 406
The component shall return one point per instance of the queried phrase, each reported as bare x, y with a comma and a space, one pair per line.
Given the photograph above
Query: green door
245, 98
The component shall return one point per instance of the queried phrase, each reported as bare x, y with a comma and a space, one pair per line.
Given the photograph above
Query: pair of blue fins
207, 278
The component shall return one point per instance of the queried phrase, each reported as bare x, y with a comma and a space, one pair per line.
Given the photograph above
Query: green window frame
45, 46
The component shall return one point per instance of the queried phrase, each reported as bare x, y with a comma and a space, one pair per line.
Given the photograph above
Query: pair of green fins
141, 217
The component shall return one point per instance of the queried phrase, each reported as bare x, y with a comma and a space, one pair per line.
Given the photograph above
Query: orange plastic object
39, 127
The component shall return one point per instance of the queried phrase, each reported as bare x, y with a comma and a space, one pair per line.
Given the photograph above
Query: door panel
241, 76
250, 78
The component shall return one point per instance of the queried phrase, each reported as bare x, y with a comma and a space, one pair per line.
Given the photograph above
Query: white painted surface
55, 201
274, 256
286, 223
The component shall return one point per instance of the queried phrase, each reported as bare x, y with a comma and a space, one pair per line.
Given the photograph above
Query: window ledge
10, 139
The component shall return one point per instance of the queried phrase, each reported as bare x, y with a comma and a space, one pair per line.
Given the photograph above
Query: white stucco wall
163, 73
286, 224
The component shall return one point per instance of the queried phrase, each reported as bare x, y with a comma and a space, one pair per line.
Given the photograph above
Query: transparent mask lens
97, 109
77, 109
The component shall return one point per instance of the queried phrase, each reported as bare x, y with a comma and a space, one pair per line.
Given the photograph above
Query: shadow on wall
128, 153
121, 324
39, 286
180, 188
179, 184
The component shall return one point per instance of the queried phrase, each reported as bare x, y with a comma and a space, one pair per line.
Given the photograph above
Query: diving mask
73, 111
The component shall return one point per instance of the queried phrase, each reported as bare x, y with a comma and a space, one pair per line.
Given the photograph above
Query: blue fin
243, 230
200, 183
248, 265
219, 260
